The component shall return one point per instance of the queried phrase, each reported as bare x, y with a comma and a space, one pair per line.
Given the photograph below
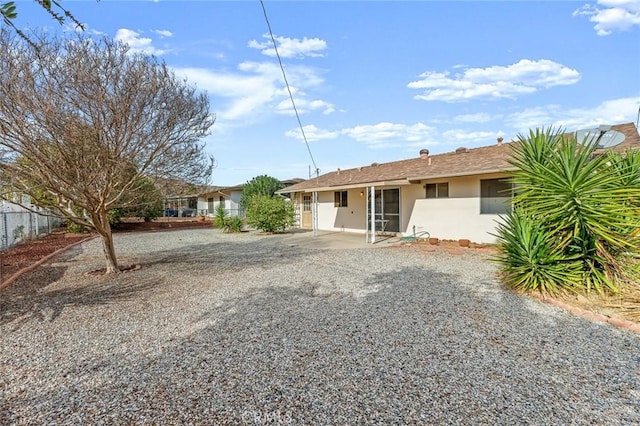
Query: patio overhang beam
356, 186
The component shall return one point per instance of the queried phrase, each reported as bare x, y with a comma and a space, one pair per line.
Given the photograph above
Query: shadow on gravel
28, 298
226, 255
419, 350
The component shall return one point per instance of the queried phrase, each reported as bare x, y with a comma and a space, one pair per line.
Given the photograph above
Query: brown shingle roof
474, 161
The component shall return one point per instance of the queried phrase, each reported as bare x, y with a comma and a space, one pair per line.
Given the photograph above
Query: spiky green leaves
573, 206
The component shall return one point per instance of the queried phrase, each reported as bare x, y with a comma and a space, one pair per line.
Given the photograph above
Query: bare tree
81, 120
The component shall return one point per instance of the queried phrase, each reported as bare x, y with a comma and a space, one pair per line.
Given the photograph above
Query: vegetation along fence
17, 226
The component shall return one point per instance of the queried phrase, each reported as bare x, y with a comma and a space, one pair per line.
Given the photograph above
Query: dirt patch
134, 225
454, 248
29, 252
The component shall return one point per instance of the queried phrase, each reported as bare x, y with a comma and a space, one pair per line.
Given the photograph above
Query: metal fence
228, 212
17, 226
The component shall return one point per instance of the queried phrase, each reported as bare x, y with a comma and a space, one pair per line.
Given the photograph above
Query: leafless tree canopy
82, 119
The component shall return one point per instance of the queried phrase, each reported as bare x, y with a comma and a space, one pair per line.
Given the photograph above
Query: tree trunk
104, 229
109, 253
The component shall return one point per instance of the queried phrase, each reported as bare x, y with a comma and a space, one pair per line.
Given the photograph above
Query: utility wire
284, 75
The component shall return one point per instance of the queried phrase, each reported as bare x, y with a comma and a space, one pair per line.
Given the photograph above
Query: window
340, 199
437, 190
306, 203
495, 196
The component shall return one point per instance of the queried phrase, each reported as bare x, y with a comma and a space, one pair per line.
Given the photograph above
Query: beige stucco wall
455, 217
450, 218
350, 219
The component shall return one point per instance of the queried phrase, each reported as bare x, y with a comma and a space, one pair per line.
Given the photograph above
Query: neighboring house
229, 197
181, 205
453, 196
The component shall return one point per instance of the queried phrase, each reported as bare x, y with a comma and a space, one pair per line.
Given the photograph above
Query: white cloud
480, 117
495, 82
380, 135
136, 42
385, 134
312, 133
612, 15
255, 88
469, 137
290, 47
304, 106
613, 111
392, 135
244, 93
163, 33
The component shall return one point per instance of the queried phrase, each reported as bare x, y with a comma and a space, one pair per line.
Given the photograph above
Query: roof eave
396, 182
470, 173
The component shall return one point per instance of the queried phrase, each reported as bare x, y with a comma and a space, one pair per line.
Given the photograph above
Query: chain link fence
20, 225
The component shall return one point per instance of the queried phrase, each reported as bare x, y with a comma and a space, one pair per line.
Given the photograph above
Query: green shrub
233, 224
143, 200
75, 228
270, 214
115, 216
220, 217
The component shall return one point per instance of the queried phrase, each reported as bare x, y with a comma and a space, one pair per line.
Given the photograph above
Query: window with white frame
437, 190
495, 196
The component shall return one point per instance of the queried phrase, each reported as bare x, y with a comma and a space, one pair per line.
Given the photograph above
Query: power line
284, 75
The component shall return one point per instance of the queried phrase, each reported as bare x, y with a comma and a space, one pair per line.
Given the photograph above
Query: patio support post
366, 214
372, 199
315, 213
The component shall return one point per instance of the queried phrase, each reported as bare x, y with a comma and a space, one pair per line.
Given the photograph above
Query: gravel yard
247, 329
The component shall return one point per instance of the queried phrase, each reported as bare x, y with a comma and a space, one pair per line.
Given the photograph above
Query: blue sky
377, 81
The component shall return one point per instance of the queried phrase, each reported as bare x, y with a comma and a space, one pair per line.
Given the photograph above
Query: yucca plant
220, 217
233, 224
531, 258
581, 201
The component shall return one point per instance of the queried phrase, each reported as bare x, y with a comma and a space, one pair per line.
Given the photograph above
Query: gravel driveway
246, 329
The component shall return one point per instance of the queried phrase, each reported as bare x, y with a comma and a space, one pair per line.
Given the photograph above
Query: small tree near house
262, 185
144, 201
270, 214
83, 120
